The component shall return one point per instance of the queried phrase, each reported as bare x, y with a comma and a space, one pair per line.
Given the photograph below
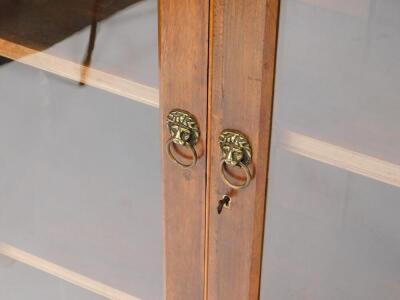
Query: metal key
224, 202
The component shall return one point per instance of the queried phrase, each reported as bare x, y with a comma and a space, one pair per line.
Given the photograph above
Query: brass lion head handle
184, 131
236, 152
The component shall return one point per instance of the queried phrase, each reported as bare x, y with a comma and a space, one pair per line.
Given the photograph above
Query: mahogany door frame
242, 69
183, 55
217, 61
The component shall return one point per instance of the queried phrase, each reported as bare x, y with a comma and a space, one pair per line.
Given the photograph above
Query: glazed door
243, 61
332, 225
81, 201
332, 190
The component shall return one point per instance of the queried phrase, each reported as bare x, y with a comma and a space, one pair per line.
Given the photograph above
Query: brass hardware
184, 131
236, 152
224, 202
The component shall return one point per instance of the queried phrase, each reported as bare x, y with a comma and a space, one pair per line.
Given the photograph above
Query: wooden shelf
73, 71
342, 158
63, 273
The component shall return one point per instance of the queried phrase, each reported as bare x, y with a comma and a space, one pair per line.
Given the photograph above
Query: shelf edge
63, 273
73, 71
342, 158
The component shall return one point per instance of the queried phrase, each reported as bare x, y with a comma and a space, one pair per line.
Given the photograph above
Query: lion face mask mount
236, 152
184, 131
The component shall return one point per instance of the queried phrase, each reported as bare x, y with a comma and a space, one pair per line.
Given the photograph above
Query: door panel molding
243, 64
183, 44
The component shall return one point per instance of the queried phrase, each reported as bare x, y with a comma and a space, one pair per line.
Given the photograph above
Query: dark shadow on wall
39, 24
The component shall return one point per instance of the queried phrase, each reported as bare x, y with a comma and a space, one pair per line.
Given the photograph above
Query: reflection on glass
111, 45
332, 230
81, 214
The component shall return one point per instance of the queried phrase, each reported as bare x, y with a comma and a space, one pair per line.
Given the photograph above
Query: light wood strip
63, 273
343, 158
68, 69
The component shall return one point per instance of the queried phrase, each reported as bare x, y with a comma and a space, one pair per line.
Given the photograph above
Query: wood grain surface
183, 27
243, 62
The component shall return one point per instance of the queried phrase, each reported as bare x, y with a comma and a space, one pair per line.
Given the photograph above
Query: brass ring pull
232, 185
170, 144
236, 152
185, 132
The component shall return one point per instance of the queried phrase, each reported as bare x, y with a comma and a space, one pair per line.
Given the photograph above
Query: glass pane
111, 44
37, 285
332, 229
80, 192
